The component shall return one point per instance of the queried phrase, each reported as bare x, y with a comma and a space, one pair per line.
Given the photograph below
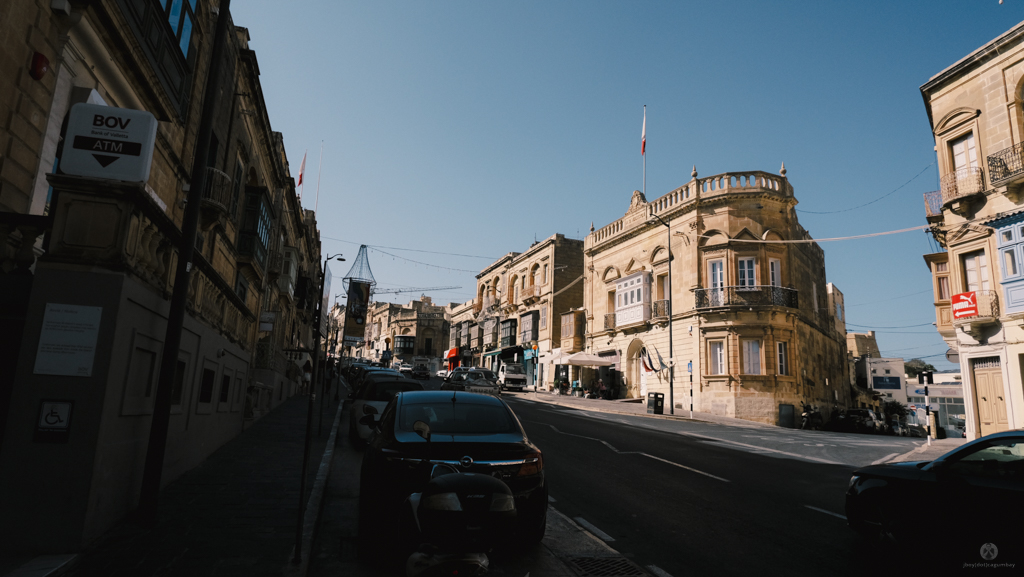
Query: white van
512, 376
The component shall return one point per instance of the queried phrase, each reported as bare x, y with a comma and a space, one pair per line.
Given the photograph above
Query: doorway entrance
987, 379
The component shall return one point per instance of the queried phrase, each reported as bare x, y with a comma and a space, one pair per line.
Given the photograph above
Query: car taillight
534, 464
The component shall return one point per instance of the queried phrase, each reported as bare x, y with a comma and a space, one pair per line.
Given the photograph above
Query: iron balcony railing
961, 183
1006, 164
661, 309
609, 321
746, 296
933, 203
218, 188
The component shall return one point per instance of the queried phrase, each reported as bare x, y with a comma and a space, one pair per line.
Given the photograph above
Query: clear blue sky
471, 127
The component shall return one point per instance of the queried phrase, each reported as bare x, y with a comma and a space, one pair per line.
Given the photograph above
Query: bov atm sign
108, 142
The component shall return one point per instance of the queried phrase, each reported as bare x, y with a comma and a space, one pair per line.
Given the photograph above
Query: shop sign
965, 305
109, 142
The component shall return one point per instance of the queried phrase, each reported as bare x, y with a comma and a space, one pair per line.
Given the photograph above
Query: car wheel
535, 526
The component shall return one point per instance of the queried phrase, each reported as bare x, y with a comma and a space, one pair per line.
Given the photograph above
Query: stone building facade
519, 304
976, 112
754, 328
110, 254
415, 332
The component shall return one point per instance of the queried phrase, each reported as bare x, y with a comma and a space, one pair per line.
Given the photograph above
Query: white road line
755, 447
658, 571
612, 447
885, 458
551, 499
685, 467
843, 517
597, 532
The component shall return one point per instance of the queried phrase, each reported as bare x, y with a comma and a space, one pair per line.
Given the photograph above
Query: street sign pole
157, 448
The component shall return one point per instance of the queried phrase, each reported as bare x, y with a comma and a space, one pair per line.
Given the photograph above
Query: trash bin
656, 403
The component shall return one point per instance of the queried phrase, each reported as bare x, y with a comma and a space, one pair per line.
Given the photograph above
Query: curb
599, 409
309, 522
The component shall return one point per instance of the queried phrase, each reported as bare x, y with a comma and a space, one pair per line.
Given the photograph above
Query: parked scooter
455, 520
811, 417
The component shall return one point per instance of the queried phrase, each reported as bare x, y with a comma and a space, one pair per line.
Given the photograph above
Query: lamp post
309, 410
668, 300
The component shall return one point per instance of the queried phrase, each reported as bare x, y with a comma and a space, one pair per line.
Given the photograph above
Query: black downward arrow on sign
105, 160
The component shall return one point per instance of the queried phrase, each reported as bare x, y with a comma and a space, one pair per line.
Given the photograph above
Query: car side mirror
368, 420
369, 410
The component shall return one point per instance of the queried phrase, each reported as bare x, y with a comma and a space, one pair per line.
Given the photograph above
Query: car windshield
385, 391
462, 417
458, 377
514, 369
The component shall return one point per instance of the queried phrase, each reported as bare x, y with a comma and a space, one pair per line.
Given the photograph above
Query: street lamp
309, 410
671, 361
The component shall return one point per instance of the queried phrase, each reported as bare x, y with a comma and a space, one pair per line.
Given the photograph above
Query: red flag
302, 169
643, 134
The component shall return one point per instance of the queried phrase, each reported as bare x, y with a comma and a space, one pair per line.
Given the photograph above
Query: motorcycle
811, 417
455, 520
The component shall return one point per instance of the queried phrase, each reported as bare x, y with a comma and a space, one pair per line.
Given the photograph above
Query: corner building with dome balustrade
756, 329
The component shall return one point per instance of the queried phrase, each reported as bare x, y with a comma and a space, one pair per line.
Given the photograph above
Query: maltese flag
302, 169
643, 134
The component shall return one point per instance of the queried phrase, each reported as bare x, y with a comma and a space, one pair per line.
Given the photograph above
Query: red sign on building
965, 305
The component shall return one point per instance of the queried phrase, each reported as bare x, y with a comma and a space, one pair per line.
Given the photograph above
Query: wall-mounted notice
67, 345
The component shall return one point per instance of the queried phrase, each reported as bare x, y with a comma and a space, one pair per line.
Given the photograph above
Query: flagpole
318, 171
645, 151
302, 170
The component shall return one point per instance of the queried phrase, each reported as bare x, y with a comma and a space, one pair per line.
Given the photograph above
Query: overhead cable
873, 201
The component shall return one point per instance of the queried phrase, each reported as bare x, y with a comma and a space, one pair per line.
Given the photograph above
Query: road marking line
885, 458
551, 499
612, 447
597, 532
739, 444
582, 530
843, 517
685, 467
658, 571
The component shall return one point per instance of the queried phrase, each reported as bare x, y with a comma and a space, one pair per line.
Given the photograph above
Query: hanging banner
355, 314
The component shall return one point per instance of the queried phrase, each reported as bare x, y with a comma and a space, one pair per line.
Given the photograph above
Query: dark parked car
475, 381
976, 490
863, 421
475, 433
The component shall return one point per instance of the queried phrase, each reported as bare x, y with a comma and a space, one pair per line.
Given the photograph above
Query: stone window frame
722, 361
954, 125
746, 362
782, 358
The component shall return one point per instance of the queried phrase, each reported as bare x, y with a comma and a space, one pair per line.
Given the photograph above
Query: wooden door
988, 393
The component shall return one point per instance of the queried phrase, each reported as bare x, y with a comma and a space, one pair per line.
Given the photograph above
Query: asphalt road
692, 506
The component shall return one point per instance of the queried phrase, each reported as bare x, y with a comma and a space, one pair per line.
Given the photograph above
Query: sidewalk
636, 408
234, 514
924, 452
